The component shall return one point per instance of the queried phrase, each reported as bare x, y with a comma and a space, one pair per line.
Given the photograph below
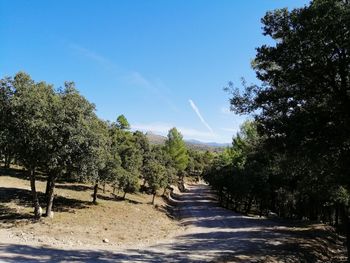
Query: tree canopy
176, 148
295, 161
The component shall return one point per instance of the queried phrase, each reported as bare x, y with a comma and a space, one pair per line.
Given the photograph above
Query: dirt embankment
78, 223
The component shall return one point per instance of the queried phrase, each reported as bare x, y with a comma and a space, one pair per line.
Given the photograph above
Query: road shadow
258, 246
32, 254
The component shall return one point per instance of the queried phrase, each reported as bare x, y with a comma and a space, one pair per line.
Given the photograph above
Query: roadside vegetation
292, 159
56, 135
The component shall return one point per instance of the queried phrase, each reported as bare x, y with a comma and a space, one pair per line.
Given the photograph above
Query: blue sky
160, 63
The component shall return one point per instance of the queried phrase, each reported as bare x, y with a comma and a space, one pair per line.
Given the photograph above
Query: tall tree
103, 163
122, 123
157, 170
176, 148
303, 104
32, 111
70, 139
7, 121
129, 147
156, 177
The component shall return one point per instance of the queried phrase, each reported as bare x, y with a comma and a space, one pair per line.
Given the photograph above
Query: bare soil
77, 222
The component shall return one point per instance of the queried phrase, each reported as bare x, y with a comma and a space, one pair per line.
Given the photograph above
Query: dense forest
56, 133
292, 159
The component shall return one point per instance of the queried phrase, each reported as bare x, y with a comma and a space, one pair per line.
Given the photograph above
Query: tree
195, 164
156, 177
177, 150
103, 163
129, 147
7, 121
238, 172
122, 123
158, 171
70, 140
32, 112
302, 106
128, 181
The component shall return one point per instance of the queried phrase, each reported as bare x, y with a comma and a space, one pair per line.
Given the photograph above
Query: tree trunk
249, 205
114, 189
36, 204
228, 201
104, 188
124, 195
336, 219
94, 199
164, 191
154, 196
261, 209
50, 197
48, 186
7, 160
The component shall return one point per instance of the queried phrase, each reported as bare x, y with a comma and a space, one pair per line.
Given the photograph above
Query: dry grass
77, 222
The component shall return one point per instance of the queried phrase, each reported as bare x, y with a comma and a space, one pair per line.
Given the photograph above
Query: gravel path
212, 234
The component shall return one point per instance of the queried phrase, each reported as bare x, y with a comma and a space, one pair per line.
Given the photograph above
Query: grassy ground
78, 223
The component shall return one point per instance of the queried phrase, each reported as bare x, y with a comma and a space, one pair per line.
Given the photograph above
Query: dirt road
212, 234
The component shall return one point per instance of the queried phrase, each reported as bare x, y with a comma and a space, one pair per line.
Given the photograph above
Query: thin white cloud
137, 79
163, 128
156, 87
94, 56
88, 53
196, 110
132, 77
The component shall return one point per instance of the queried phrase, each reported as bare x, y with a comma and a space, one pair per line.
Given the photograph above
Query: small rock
105, 240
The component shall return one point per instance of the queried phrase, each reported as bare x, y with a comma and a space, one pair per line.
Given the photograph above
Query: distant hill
212, 144
155, 138
192, 144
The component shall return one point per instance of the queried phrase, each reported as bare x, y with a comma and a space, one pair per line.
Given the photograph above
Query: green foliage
127, 181
130, 148
7, 122
177, 150
58, 132
32, 113
239, 171
294, 158
122, 123
156, 176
